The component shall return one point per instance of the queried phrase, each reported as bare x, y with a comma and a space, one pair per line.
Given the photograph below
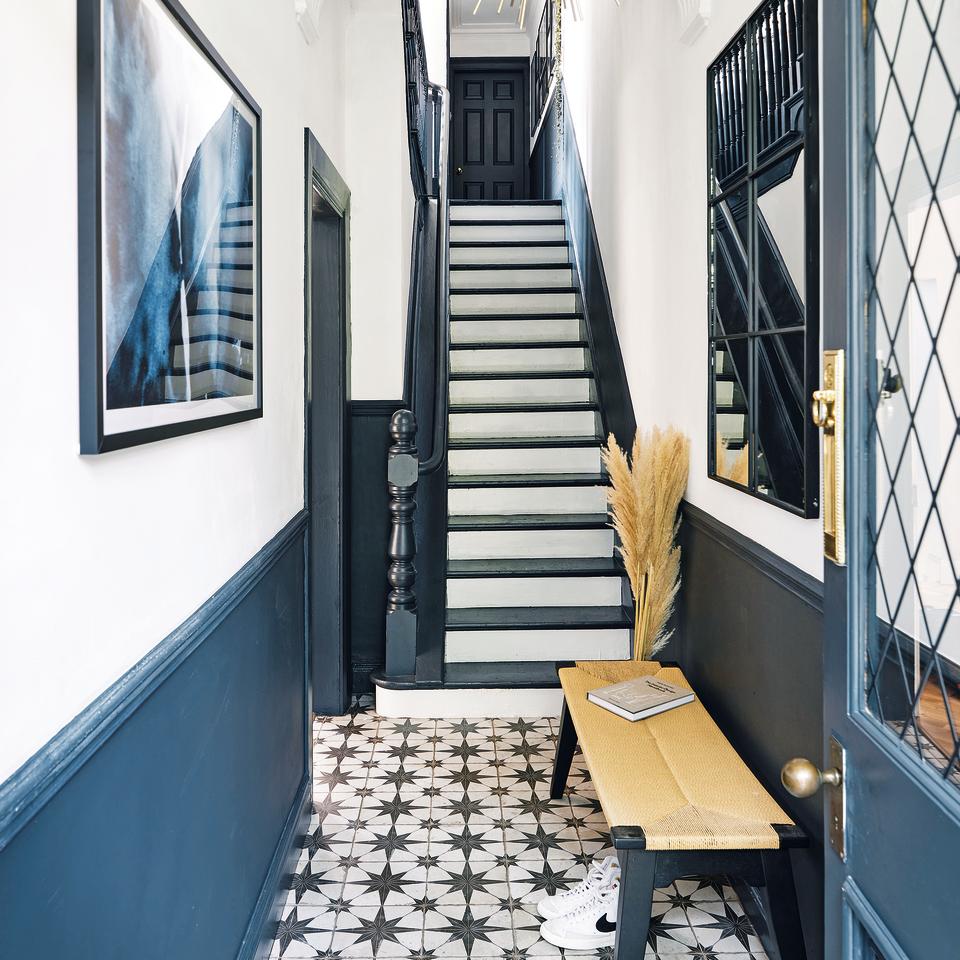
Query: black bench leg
782, 900
566, 744
637, 872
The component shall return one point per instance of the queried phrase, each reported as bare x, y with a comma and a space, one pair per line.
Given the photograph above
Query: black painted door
489, 135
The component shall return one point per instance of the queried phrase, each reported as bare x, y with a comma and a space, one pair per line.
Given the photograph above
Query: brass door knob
801, 778
459, 171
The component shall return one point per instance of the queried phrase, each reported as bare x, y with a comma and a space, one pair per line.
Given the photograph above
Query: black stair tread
547, 567
532, 406
505, 203
504, 222
520, 618
511, 266
518, 344
509, 243
731, 408
529, 521
512, 443
540, 374
482, 291
501, 674
460, 480
550, 315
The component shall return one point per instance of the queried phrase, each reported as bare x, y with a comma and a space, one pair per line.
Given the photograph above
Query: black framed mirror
763, 248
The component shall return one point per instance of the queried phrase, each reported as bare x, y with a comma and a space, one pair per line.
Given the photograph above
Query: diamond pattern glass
911, 145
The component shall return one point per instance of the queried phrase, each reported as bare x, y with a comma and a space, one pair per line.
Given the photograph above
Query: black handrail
542, 64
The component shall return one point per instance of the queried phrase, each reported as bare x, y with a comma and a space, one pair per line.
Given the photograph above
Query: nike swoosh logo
604, 925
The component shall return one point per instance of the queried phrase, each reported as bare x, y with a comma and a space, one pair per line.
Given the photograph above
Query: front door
489, 134
891, 201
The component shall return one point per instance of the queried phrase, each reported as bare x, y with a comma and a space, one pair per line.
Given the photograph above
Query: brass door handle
459, 171
822, 408
801, 778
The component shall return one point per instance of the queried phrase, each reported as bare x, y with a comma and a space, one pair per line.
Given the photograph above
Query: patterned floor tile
435, 839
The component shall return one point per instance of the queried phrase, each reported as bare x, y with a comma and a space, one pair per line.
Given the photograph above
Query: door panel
891, 194
489, 133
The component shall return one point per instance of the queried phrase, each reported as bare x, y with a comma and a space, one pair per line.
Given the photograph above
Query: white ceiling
486, 18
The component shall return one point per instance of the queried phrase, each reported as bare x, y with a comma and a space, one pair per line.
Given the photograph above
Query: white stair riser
493, 233
238, 213
509, 255
545, 390
511, 361
216, 274
525, 460
482, 646
533, 592
519, 211
484, 501
494, 304
225, 300
724, 393
484, 702
512, 331
580, 423
232, 232
520, 544
239, 254
560, 277
731, 425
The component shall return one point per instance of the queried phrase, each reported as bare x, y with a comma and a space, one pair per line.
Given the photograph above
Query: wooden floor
934, 720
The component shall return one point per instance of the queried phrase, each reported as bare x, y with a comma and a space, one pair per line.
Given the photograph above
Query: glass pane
780, 413
730, 245
731, 428
781, 245
912, 143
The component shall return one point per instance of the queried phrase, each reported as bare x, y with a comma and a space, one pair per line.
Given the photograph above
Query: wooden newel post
402, 472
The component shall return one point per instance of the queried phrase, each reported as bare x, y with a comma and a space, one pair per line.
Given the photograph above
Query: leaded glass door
891, 300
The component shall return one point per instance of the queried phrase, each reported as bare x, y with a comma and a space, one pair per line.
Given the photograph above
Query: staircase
532, 578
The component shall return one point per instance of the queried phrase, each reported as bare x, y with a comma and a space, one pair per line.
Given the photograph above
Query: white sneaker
591, 926
601, 875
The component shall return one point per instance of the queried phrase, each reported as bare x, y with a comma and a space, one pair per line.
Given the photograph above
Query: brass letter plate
828, 414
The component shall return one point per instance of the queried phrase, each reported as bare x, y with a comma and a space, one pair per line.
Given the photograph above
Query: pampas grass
644, 496
739, 470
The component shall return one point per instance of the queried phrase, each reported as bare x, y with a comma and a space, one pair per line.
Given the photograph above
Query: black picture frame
759, 158
94, 439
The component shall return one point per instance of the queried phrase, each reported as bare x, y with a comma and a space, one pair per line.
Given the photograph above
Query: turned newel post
402, 471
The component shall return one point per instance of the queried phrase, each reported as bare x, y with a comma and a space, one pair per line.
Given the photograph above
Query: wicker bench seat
678, 800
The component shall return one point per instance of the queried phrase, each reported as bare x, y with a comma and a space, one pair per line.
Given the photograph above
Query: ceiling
486, 18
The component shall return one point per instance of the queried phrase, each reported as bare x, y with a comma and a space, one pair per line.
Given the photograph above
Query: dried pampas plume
644, 496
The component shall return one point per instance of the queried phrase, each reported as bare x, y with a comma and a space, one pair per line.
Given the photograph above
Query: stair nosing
512, 266
474, 523
557, 618
522, 375
502, 291
557, 315
522, 443
576, 406
508, 222
463, 244
532, 568
477, 481
519, 344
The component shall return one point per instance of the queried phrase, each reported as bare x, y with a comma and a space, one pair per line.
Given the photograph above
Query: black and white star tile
434, 839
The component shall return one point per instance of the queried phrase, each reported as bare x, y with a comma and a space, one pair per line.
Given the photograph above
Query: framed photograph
169, 228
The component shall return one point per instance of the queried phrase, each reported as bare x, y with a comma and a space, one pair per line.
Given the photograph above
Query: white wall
637, 99
103, 556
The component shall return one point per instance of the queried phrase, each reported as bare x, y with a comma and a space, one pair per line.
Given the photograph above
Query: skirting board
491, 702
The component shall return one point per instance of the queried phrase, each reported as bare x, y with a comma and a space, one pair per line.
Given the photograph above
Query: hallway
435, 839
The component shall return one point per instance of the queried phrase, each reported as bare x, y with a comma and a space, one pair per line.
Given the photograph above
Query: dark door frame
494, 65
326, 379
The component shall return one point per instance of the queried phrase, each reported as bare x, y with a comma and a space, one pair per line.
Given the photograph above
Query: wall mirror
763, 246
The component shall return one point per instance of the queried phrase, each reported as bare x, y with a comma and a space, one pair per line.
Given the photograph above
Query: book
640, 698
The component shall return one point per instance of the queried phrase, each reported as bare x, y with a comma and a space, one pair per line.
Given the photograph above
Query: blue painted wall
160, 824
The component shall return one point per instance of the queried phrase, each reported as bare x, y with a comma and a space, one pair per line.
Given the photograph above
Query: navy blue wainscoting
161, 823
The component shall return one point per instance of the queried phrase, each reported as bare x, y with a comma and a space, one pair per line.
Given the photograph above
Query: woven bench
678, 800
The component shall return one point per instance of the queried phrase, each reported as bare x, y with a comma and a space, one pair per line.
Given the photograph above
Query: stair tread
508, 243
531, 406
505, 203
529, 521
519, 344
521, 374
511, 266
528, 480
511, 291
519, 618
505, 222
549, 315
508, 443
536, 567
501, 674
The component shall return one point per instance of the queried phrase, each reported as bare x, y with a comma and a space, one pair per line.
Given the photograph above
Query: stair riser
460, 279
481, 646
533, 592
525, 460
486, 501
214, 351
541, 424
520, 211
512, 331
513, 361
238, 213
495, 304
232, 232
519, 544
225, 300
242, 254
731, 425
210, 324
493, 233
213, 273
509, 255
531, 391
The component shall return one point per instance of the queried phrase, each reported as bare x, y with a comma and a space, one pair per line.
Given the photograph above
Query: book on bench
640, 698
